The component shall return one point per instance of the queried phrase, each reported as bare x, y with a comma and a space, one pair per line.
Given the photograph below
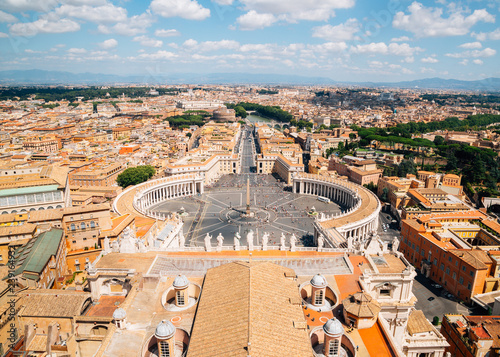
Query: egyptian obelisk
248, 197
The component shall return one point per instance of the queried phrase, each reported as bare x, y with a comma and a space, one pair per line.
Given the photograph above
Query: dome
180, 282
119, 314
164, 330
318, 281
333, 328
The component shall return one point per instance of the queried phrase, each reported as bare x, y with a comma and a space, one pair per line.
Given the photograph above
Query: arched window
180, 298
164, 349
92, 224
73, 227
318, 299
82, 225
333, 349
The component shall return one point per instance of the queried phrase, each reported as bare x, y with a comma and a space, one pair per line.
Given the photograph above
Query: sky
345, 40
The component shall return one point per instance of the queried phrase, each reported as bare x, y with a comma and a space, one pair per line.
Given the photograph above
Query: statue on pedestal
282, 241
107, 247
220, 240
321, 242
250, 240
208, 246
293, 240
237, 238
265, 240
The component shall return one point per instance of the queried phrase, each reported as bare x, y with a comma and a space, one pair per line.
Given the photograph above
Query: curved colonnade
356, 223
140, 198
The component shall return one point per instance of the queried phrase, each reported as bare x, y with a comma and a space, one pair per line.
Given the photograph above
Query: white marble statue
107, 247
220, 240
265, 240
208, 245
293, 240
151, 240
282, 241
321, 242
128, 242
250, 240
182, 239
237, 241
395, 244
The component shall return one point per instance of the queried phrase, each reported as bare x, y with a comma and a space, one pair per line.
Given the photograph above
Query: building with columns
360, 209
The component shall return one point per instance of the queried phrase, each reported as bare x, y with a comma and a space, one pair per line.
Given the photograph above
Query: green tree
135, 175
385, 194
407, 167
439, 140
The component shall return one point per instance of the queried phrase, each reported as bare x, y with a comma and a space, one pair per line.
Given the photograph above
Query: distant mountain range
41, 77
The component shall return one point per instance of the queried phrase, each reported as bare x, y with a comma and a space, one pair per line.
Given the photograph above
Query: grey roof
34, 255
333, 327
165, 232
164, 330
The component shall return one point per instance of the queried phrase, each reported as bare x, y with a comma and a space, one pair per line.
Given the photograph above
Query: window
463, 268
471, 273
333, 349
92, 224
180, 298
435, 262
318, 299
82, 225
449, 259
460, 280
73, 226
447, 270
441, 266
469, 286
164, 349
454, 275
385, 292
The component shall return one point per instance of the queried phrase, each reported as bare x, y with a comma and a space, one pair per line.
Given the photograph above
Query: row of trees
239, 110
135, 175
271, 112
184, 121
61, 93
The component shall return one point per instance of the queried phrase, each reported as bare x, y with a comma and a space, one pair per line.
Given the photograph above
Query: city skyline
344, 40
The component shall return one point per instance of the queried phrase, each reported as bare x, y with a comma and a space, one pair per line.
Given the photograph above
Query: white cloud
471, 45
167, 33
483, 36
328, 47
294, 10
409, 59
223, 2
6, 17
187, 9
133, 26
28, 5
43, 26
477, 61
429, 60
208, 46
427, 70
77, 51
395, 49
400, 39
342, 32
107, 13
3, 35
487, 52
428, 22
147, 41
160, 55
108, 44
464, 62
253, 20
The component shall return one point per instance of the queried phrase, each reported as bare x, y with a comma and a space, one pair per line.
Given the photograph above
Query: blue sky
347, 40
